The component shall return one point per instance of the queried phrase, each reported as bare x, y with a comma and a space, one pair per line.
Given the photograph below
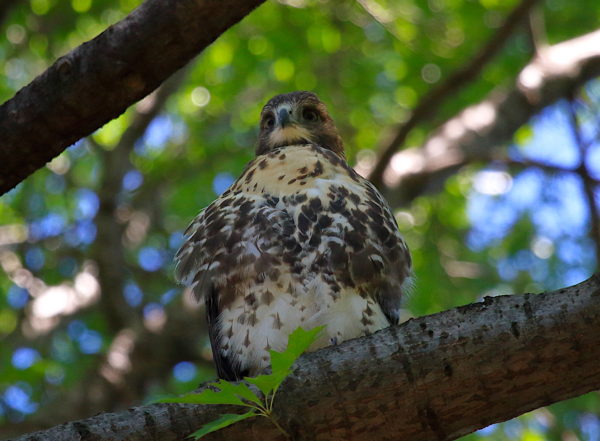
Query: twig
526, 163
536, 29
589, 183
379, 15
433, 99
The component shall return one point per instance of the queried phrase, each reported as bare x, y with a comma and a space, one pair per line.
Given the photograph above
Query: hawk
300, 239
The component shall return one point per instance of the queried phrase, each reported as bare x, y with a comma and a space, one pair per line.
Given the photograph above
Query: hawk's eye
270, 121
310, 114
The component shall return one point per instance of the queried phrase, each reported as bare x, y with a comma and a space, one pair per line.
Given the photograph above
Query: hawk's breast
298, 240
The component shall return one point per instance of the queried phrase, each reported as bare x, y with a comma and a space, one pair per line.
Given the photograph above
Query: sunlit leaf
223, 421
207, 396
239, 389
267, 383
298, 342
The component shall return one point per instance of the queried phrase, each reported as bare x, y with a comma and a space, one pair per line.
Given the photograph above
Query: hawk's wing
373, 256
231, 248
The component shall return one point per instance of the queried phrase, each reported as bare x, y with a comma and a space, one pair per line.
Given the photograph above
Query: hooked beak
284, 117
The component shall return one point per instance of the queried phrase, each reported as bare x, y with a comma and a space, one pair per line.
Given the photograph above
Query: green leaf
298, 342
223, 421
281, 362
207, 396
267, 383
230, 393
239, 389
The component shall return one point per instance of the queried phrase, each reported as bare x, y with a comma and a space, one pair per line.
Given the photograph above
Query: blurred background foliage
90, 317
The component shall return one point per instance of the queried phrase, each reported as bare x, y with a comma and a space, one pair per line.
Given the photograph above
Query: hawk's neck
290, 169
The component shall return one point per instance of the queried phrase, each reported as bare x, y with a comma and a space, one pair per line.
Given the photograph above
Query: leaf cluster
239, 394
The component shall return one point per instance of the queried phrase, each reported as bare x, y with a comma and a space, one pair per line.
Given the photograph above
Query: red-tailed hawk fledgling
300, 239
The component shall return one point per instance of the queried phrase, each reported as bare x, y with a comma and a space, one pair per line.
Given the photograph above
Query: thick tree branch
473, 134
432, 101
433, 378
98, 80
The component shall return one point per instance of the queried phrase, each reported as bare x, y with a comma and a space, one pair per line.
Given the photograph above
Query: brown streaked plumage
300, 239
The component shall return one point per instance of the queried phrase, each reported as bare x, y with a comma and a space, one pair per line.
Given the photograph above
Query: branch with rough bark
98, 80
435, 377
473, 134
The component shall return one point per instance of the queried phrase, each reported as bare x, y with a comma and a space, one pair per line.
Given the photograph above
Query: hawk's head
297, 118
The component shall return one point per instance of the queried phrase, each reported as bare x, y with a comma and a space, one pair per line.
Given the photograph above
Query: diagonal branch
474, 134
98, 80
435, 377
546, 167
429, 104
380, 15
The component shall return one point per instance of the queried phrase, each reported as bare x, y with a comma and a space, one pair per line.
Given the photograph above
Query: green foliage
239, 394
227, 419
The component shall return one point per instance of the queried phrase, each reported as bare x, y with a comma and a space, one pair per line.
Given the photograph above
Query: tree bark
474, 134
432, 378
98, 80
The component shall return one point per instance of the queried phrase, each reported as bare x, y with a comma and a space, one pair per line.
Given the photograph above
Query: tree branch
98, 80
431, 102
435, 377
473, 134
